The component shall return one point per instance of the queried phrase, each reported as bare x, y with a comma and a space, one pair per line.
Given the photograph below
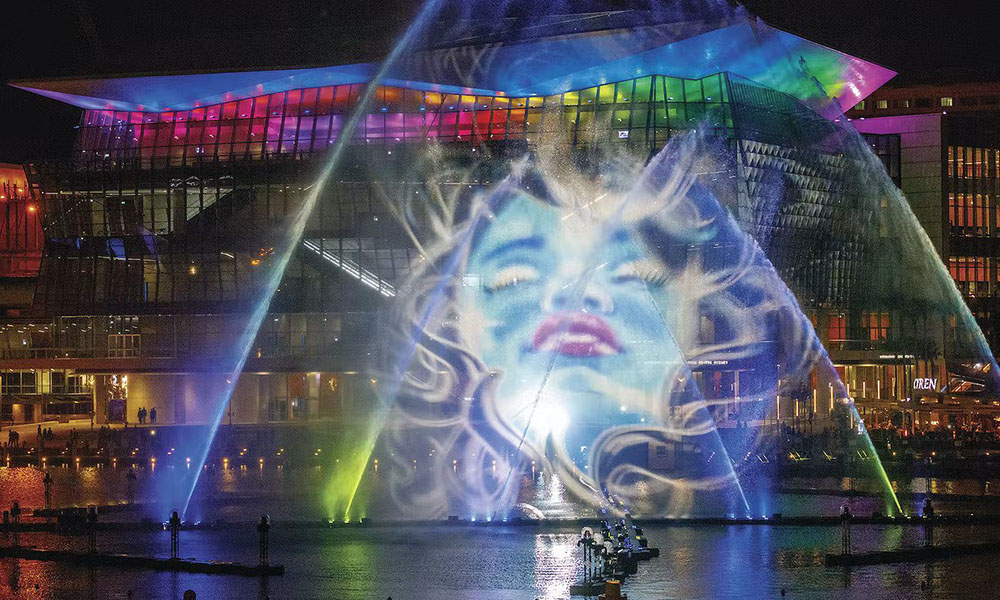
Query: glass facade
161, 232
971, 187
305, 121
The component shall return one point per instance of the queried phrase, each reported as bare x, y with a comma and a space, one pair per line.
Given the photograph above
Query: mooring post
47, 482
262, 529
15, 521
92, 529
929, 522
130, 484
845, 524
175, 528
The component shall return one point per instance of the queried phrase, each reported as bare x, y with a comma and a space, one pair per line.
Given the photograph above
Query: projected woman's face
560, 302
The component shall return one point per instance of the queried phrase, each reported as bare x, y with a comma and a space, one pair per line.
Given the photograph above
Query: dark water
480, 562
244, 492
514, 563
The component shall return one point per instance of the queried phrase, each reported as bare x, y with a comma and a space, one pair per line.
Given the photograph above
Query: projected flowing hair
447, 450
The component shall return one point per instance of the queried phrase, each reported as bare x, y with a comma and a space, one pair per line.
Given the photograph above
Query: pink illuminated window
374, 126
341, 98
838, 327
260, 107
394, 126
308, 104
414, 125
499, 127
324, 104
465, 121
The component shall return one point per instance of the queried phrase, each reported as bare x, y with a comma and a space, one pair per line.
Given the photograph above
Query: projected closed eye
642, 270
511, 276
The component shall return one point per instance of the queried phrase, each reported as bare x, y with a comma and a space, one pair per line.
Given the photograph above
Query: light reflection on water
474, 563
237, 493
499, 562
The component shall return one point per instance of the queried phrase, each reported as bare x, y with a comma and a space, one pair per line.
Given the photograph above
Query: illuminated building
160, 230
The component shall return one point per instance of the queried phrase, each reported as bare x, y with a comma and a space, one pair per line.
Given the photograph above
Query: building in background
160, 231
28, 395
949, 137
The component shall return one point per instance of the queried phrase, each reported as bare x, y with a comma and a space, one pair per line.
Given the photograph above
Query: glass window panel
341, 98
392, 99
715, 116
606, 95
673, 88
148, 138
660, 117
693, 92
356, 89
321, 136
621, 119
639, 117
642, 86
624, 89
257, 129
535, 102
374, 126
289, 128
324, 101
414, 125
533, 120
515, 122
412, 100
276, 104
432, 100
307, 106
259, 107
394, 126
712, 87
335, 124
484, 102
499, 126
482, 122
465, 120
292, 102
676, 112
304, 143
244, 108
447, 123
468, 103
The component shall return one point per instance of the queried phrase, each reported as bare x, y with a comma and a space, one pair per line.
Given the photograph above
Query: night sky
925, 41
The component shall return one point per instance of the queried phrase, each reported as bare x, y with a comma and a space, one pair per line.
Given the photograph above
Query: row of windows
974, 275
874, 325
44, 382
973, 214
309, 120
280, 335
965, 162
942, 101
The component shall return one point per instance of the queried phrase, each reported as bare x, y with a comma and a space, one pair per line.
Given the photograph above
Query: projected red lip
576, 334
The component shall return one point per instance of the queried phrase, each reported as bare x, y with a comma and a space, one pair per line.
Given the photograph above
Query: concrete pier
926, 553
141, 562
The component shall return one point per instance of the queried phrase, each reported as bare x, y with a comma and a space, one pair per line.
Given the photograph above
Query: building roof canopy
748, 48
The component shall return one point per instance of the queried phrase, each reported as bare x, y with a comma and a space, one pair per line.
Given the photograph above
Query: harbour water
478, 561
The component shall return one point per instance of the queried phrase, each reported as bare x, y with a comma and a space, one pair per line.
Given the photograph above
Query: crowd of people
791, 444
